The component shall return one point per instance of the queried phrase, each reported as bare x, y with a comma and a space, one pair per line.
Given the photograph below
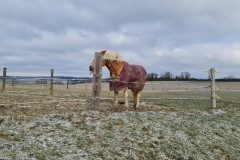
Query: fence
52, 82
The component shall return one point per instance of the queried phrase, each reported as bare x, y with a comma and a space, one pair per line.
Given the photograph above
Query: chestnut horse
123, 76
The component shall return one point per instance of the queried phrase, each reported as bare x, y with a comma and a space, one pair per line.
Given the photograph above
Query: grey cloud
160, 34
10, 30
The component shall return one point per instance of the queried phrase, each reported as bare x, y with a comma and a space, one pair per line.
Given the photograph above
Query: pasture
175, 121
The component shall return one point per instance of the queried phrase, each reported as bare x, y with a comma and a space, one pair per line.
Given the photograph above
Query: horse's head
107, 55
91, 67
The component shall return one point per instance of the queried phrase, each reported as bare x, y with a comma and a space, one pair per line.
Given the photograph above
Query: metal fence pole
4, 78
97, 77
213, 86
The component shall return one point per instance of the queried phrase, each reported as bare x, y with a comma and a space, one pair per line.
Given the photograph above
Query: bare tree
184, 76
152, 77
187, 75
166, 76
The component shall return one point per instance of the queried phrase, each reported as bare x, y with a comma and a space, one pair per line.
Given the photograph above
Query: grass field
171, 124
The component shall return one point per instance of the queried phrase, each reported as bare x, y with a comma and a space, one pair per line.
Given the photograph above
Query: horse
123, 76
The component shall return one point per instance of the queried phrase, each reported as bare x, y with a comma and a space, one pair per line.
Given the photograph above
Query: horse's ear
103, 52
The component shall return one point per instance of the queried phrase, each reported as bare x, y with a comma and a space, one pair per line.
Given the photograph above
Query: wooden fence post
213, 86
4, 78
67, 83
51, 82
97, 77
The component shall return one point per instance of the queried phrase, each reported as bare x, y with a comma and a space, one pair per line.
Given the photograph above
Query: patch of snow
218, 111
24, 106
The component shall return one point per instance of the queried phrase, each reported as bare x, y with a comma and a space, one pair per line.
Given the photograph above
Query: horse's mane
112, 55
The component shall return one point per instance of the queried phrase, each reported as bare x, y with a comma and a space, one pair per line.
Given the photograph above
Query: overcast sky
161, 35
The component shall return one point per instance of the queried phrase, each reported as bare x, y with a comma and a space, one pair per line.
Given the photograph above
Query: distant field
175, 121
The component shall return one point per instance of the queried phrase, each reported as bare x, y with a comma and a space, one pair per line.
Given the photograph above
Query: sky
161, 35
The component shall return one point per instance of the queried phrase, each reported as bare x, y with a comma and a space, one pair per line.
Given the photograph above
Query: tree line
168, 76
184, 76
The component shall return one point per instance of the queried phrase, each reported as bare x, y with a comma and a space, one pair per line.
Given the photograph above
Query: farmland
174, 121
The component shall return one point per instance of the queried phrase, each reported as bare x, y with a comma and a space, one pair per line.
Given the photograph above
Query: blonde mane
112, 55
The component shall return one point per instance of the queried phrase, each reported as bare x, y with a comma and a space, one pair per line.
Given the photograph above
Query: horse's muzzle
91, 68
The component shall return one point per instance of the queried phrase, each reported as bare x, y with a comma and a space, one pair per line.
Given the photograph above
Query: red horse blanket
131, 76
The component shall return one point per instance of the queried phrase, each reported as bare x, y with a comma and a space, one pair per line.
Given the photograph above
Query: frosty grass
121, 135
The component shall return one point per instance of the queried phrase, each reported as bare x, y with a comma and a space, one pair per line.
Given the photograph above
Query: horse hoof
135, 108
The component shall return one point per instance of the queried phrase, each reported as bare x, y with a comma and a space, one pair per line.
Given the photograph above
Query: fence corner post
4, 78
97, 77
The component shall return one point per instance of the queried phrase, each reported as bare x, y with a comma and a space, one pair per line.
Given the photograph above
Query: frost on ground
121, 135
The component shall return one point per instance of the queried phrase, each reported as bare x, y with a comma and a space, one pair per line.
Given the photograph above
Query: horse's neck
114, 66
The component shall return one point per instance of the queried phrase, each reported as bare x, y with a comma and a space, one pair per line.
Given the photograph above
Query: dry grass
169, 125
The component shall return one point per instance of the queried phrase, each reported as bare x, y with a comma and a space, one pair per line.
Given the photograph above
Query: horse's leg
137, 96
116, 100
137, 99
126, 98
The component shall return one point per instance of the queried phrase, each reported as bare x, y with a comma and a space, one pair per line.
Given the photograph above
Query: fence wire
76, 92
38, 86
